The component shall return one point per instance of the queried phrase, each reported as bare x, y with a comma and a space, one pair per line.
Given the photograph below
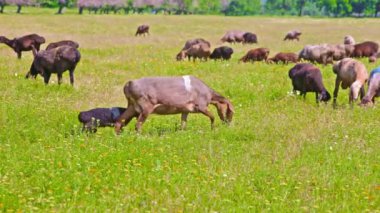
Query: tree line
332, 8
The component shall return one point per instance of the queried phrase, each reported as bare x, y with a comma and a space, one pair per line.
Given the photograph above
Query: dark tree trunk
80, 10
377, 9
19, 8
1, 8
301, 6
60, 9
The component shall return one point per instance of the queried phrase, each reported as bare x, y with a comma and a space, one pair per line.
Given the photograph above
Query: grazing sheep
317, 53
341, 51
189, 44
249, 38
351, 73
293, 35
373, 88
374, 58
223, 53
233, 36
284, 58
201, 51
24, 43
349, 40
99, 117
171, 95
308, 78
365, 49
56, 60
62, 43
259, 54
142, 30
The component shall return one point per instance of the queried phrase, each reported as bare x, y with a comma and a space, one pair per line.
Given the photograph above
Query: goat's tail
77, 56
224, 107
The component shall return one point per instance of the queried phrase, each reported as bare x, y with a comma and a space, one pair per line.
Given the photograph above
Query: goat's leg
59, 78
362, 92
19, 54
208, 114
142, 118
126, 117
336, 90
46, 77
184, 120
72, 76
316, 97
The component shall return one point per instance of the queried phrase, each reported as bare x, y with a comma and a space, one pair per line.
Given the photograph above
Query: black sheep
249, 38
99, 117
223, 53
56, 60
62, 43
308, 78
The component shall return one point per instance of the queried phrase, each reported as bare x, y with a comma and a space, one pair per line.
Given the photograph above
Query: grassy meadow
281, 153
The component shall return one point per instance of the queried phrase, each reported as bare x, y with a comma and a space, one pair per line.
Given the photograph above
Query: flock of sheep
188, 94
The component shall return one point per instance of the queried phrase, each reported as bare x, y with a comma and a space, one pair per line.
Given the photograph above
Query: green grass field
281, 153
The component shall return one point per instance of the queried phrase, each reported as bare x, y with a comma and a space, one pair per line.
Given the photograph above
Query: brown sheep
233, 36
190, 43
201, 51
62, 43
308, 78
351, 73
365, 49
171, 95
142, 30
284, 58
259, 54
293, 35
24, 43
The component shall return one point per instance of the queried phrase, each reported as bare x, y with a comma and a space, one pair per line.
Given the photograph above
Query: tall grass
281, 154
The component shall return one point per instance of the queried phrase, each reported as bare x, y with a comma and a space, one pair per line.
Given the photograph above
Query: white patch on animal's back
187, 82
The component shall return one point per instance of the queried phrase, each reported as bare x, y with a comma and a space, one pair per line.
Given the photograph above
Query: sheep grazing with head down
99, 117
142, 30
249, 38
223, 53
56, 60
284, 58
189, 43
171, 95
317, 53
350, 73
293, 35
201, 51
259, 54
233, 36
349, 40
308, 78
373, 88
365, 49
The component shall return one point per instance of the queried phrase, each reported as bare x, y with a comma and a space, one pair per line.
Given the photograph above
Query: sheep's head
324, 96
181, 56
366, 101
